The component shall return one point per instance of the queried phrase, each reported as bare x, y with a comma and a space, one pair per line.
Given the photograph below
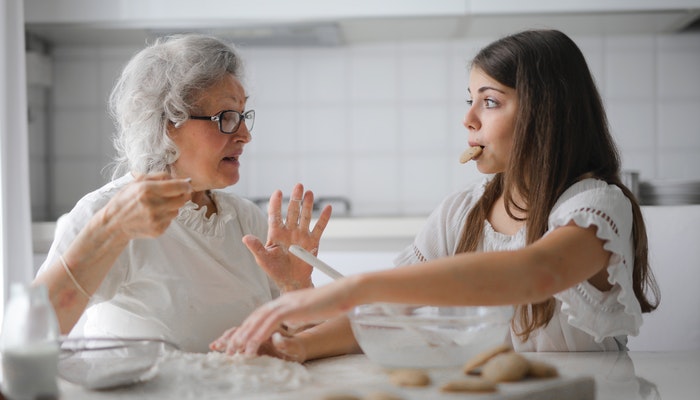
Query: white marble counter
617, 376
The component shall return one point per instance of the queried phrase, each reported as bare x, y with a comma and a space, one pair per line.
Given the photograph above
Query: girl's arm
566, 256
331, 338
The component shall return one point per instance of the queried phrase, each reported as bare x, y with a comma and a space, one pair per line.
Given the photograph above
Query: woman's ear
173, 128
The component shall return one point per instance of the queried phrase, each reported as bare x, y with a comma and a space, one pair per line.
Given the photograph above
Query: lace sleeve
617, 311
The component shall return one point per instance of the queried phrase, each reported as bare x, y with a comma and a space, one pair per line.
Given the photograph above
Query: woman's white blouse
188, 285
585, 318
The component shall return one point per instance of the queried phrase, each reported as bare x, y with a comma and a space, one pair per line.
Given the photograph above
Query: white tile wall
38, 153
380, 123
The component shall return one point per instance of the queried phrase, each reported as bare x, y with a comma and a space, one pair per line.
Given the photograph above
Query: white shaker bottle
29, 345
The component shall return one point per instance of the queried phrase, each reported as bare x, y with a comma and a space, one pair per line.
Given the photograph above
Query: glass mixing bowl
105, 363
420, 336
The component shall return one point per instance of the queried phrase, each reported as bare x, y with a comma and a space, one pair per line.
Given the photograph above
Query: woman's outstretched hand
289, 272
259, 332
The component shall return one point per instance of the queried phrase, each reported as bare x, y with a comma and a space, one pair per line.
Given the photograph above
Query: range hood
338, 22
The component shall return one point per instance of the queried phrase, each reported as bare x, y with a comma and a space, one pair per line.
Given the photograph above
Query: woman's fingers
295, 201
267, 324
274, 211
291, 308
281, 344
242, 339
297, 307
221, 343
288, 347
171, 187
307, 209
265, 260
288, 272
264, 321
158, 191
145, 207
300, 208
322, 222
254, 245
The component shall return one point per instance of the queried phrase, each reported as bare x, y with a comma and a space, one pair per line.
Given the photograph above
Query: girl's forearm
529, 275
331, 338
496, 278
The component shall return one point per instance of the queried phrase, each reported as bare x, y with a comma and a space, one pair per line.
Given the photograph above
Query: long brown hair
561, 135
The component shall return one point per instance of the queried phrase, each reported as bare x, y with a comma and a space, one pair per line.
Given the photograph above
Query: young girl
552, 230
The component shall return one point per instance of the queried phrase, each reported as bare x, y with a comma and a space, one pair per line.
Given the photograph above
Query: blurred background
361, 101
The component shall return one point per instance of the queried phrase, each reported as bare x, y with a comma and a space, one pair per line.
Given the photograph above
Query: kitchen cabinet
346, 21
169, 12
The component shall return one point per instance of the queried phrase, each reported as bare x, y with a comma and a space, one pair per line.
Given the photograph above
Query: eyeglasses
230, 120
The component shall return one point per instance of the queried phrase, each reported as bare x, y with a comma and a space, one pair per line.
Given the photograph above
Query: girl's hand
281, 344
146, 206
291, 309
289, 272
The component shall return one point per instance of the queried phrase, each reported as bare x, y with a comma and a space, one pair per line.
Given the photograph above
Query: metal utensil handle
314, 261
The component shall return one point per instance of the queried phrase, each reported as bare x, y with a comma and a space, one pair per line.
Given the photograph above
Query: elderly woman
160, 252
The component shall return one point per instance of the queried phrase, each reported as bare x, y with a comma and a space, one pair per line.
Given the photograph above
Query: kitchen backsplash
378, 124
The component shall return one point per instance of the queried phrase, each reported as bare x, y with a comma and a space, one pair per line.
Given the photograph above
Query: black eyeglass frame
250, 114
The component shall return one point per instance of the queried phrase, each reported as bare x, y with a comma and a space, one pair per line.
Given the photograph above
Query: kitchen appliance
341, 205
669, 192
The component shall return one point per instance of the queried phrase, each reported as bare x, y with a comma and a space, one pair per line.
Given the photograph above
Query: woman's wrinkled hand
305, 306
289, 272
145, 207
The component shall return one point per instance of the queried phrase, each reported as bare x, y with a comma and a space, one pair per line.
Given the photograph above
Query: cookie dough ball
469, 384
409, 377
506, 367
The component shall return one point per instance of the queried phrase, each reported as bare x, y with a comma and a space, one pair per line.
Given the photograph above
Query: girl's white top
187, 285
585, 319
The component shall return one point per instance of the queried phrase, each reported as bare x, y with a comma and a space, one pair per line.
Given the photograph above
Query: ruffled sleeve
443, 228
615, 312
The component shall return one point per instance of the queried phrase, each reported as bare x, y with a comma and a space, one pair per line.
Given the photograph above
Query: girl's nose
470, 121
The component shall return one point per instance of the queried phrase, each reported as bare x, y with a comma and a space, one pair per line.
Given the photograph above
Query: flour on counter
205, 376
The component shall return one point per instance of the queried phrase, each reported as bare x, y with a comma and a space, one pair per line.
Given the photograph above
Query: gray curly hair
160, 85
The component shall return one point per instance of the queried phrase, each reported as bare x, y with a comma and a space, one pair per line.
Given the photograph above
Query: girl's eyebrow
485, 88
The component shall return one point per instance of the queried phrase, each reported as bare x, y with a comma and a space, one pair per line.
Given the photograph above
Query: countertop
356, 233
619, 376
